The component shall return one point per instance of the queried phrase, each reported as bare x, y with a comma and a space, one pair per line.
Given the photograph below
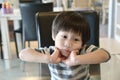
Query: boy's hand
55, 57
71, 60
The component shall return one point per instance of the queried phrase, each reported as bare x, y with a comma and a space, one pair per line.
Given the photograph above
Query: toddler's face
67, 42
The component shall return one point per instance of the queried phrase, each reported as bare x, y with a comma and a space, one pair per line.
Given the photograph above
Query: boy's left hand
71, 60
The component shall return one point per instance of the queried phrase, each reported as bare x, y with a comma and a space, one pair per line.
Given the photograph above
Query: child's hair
71, 21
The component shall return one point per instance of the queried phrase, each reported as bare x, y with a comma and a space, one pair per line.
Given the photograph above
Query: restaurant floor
31, 70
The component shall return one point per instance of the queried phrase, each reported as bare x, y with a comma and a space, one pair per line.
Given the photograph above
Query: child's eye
64, 37
76, 39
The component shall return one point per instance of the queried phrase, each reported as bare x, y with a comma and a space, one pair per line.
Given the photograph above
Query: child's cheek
64, 53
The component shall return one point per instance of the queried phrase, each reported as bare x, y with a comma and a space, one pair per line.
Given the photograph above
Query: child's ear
53, 37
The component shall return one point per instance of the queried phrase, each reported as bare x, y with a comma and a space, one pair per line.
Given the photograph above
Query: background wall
1, 1
81, 3
14, 2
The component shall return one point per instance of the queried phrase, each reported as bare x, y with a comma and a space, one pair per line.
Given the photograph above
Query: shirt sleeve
45, 50
107, 53
91, 48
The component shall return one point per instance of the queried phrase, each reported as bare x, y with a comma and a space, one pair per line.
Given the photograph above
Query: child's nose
68, 43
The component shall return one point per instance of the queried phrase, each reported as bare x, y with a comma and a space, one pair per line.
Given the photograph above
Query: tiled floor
32, 69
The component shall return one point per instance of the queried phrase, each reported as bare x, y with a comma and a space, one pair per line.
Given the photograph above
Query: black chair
28, 11
19, 30
28, 29
45, 37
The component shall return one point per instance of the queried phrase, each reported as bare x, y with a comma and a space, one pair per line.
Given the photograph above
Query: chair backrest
30, 1
44, 22
44, 29
28, 11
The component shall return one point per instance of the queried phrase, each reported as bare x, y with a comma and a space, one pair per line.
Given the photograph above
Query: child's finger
75, 52
56, 52
55, 57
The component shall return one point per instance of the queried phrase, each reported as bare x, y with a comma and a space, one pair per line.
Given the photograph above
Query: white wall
16, 3
1, 1
82, 3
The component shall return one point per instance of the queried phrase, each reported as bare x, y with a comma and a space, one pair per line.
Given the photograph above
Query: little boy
69, 59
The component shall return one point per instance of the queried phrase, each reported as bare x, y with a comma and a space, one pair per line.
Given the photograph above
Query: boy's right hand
55, 57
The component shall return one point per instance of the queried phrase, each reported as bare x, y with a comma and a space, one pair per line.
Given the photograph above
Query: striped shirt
61, 71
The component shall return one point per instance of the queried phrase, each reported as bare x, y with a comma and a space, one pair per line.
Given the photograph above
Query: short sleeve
90, 48
45, 50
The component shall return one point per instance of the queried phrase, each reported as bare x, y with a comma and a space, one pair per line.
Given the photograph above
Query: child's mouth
65, 53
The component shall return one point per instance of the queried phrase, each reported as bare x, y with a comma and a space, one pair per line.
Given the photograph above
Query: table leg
5, 41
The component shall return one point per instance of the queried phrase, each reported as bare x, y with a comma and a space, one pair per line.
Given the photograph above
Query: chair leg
1, 52
16, 45
23, 62
28, 43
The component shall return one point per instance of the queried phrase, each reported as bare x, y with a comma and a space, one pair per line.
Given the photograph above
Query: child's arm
32, 55
94, 57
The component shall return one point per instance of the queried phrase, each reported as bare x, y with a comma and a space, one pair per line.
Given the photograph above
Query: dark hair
71, 21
